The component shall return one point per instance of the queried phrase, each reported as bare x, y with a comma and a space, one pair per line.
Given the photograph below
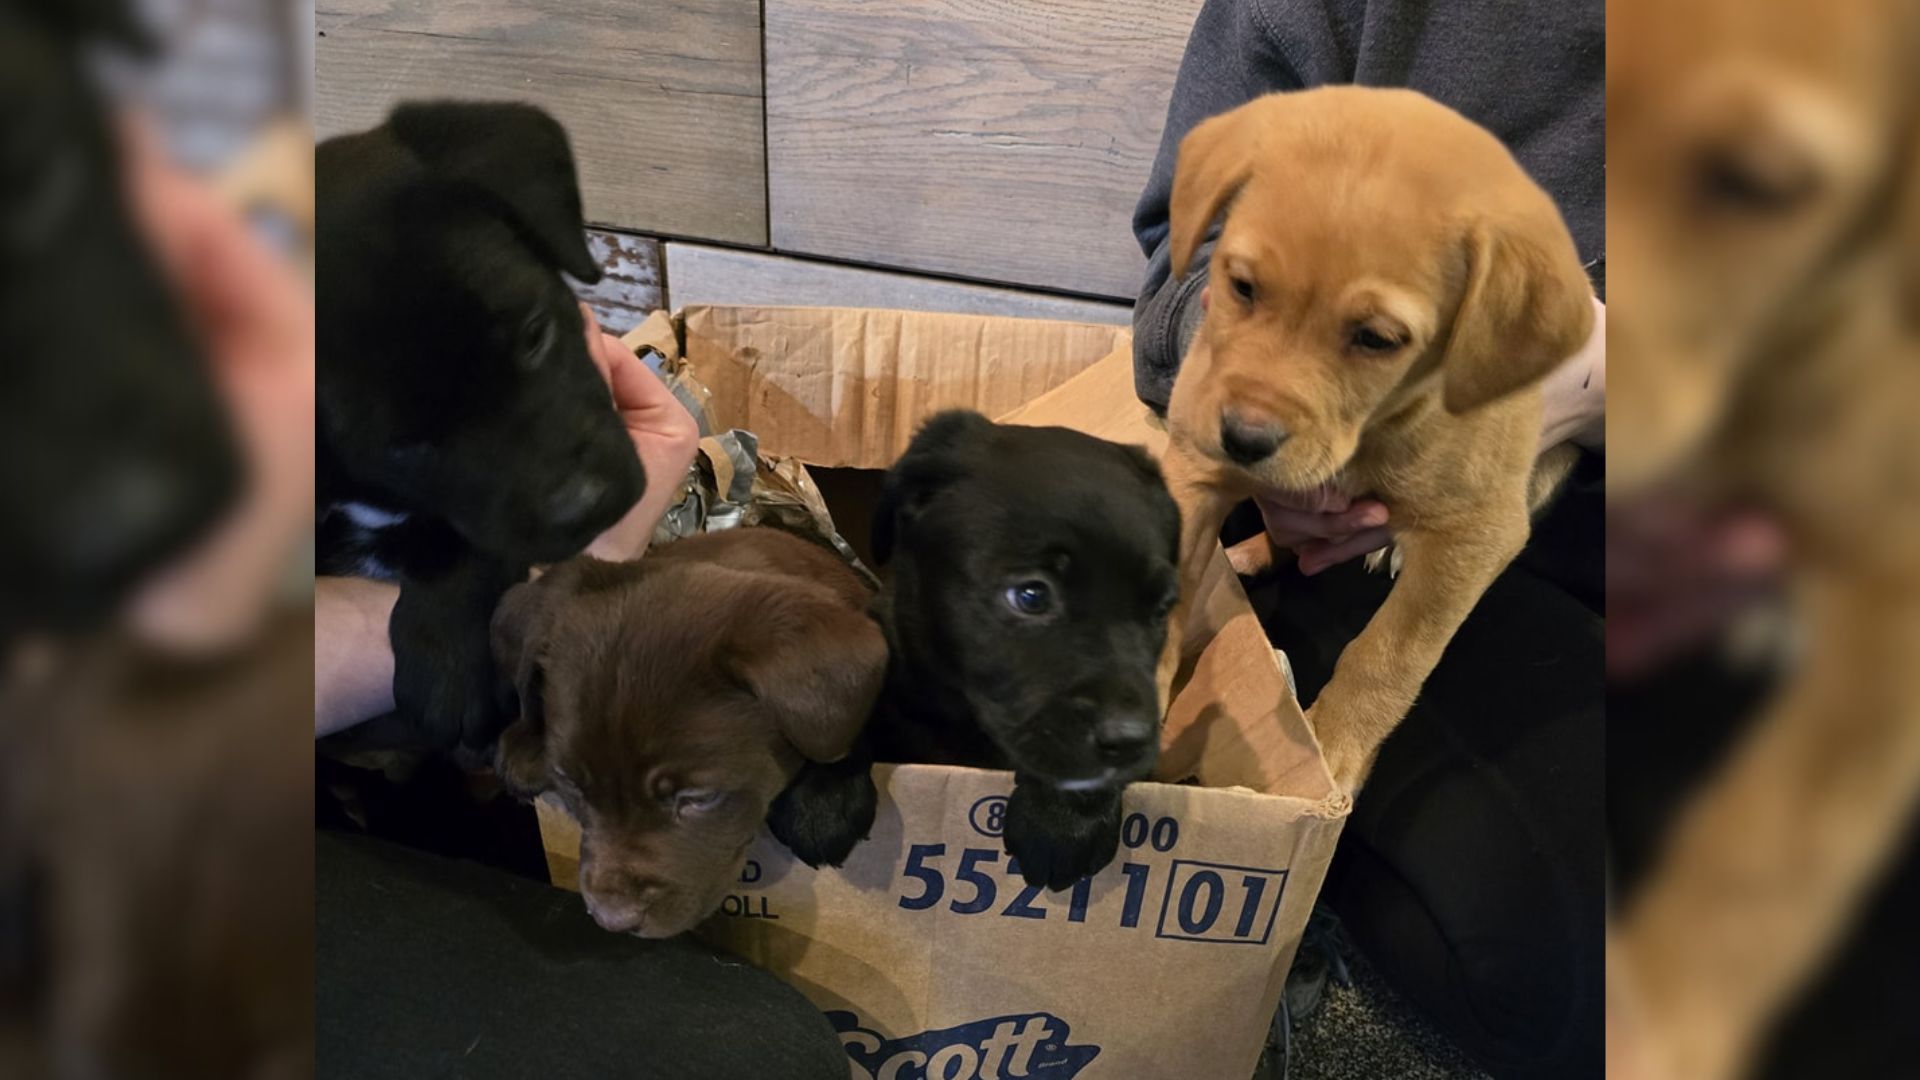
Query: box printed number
1199, 894
976, 890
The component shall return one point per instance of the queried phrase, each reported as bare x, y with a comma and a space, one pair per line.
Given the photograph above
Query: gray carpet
1364, 1031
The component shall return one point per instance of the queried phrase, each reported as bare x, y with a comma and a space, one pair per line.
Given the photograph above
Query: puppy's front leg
1766, 865
443, 673
1059, 837
1205, 494
827, 809
1380, 672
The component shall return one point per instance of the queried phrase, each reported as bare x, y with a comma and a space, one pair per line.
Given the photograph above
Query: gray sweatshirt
1531, 71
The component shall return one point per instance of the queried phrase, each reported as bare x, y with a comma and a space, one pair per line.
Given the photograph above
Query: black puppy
464, 431
114, 447
1033, 572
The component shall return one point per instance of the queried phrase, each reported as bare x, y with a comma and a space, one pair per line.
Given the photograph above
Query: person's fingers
1642, 635
1684, 551
1319, 555
665, 437
1750, 545
255, 317
648, 408
1290, 526
225, 275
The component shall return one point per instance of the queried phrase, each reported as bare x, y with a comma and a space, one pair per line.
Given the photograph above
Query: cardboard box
927, 954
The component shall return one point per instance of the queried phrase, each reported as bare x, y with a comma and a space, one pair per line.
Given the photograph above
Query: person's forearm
352, 657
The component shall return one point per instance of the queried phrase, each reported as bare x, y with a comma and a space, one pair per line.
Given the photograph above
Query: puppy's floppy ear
936, 457
816, 665
1215, 160
1527, 308
519, 624
518, 157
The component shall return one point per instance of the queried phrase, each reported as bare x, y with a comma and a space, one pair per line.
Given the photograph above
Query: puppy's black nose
1126, 735
576, 500
1247, 439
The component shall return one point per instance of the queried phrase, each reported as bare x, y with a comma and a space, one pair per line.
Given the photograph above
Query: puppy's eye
1242, 288
1030, 598
536, 340
1366, 339
1758, 180
696, 801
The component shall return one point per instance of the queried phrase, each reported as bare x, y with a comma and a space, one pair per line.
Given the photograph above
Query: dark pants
1472, 872
428, 966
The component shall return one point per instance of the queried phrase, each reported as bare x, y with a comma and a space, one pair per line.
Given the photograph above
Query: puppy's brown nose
1247, 438
621, 914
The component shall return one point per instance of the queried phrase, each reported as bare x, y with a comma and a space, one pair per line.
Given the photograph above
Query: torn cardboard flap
658, 332
848, 387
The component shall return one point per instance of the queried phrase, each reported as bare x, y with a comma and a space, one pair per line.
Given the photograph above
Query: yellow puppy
1388, 290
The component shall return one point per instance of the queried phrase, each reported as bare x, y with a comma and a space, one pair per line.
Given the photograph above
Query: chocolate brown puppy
675, 703
1033, 571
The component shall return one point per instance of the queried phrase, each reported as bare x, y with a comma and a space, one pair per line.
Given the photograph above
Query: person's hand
665, 436
1322, 527
1677, 573
1573, 399
254, 316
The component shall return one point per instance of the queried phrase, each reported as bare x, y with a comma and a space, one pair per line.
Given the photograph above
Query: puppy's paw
824, 813
1349, 760
1252, 557
1059, 838
443, 669
451, 694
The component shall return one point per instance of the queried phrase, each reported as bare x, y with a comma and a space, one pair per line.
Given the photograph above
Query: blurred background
1764, 538
155, 608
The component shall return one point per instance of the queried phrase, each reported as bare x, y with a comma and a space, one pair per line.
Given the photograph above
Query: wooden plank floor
705, 275
1000, 139
661, 97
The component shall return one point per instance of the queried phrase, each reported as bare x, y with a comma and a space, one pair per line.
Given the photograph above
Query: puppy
114, 447
1387, 291
1032, 574
1764, 202
675, 703
464, 431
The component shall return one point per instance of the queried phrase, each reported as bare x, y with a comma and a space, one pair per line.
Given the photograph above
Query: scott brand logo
1003, 1048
